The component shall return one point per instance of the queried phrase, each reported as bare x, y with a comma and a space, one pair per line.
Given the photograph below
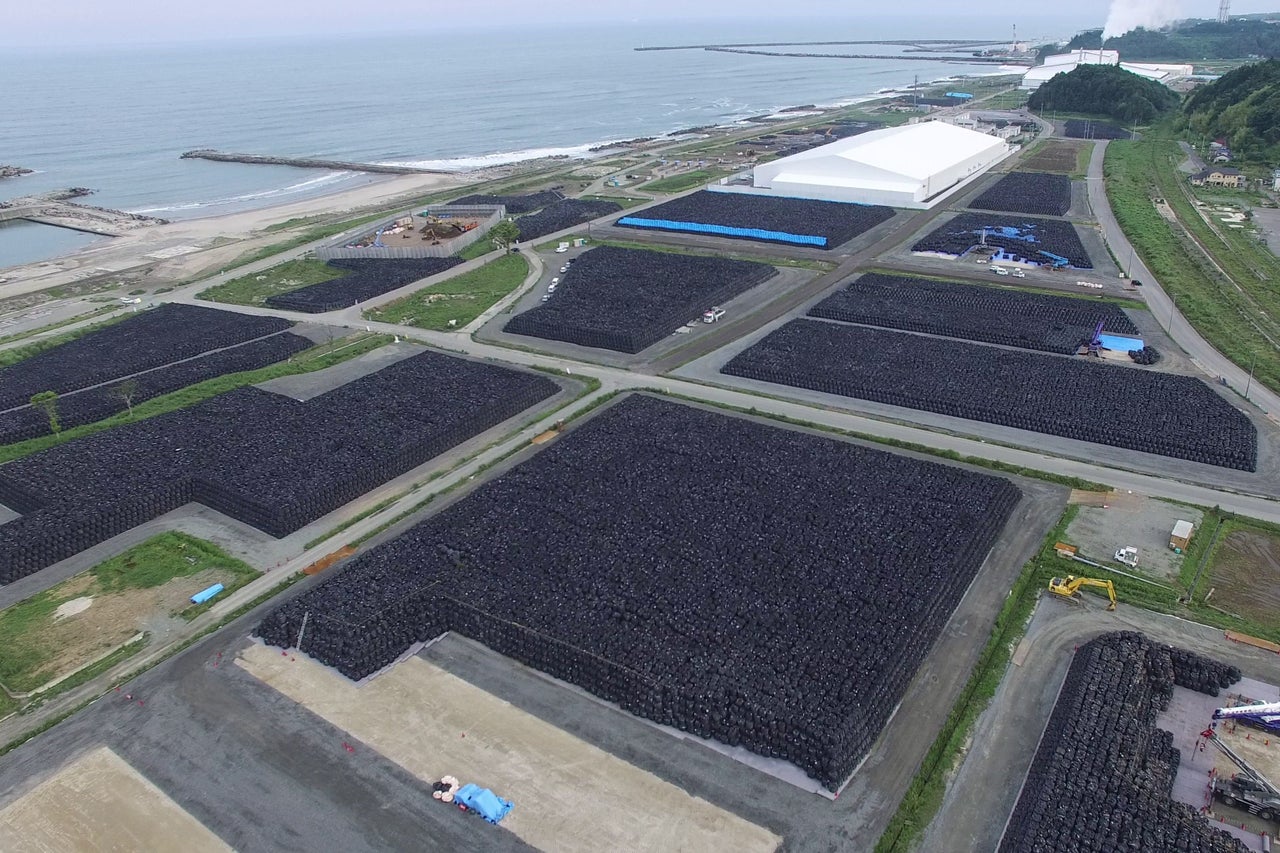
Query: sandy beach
179, 250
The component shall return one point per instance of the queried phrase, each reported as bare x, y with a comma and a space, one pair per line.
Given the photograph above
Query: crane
1248, 789
1264, 716
1070, 585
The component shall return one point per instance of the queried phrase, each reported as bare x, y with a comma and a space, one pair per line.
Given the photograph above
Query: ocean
116, 119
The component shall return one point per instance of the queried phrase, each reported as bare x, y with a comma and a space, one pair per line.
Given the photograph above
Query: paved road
987, 785
1161, 305
1257, 506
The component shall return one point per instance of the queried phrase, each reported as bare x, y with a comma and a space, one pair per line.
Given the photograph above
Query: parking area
1132, 521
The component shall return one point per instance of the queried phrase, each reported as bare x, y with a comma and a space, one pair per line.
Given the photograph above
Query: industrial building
1061, 63
911, 166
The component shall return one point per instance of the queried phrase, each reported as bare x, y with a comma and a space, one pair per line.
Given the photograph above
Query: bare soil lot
1055, 155
99, 803
1137, 521
568, 794
1245, 573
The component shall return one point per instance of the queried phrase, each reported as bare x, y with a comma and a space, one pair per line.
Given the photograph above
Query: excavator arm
1071, 584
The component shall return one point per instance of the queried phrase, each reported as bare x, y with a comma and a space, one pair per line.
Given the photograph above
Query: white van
999, 270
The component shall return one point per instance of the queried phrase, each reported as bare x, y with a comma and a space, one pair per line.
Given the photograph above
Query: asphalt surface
258, 770
982, 795
1161, 304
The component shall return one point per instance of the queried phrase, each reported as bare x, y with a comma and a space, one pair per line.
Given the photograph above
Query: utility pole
302, 630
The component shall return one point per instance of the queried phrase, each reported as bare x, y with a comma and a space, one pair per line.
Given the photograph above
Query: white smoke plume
1125, 15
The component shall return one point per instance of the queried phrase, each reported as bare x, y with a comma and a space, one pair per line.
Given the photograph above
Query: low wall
491, 215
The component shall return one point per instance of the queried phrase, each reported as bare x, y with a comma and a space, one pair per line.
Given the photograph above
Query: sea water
117, 119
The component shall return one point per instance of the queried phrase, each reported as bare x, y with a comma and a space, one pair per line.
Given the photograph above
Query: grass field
253, 289
460, 299
478, 249
686, 181
1064, 156
316, 358
57, 631
1229, 294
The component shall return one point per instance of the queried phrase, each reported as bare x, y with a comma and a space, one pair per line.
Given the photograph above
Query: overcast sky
72, 22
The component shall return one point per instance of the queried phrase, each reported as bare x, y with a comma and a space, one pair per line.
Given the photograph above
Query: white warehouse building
910, 166
1062, 63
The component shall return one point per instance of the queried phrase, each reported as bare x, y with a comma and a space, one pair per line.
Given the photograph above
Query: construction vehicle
1248, 789
1127, 556
1067, 587
1265, 716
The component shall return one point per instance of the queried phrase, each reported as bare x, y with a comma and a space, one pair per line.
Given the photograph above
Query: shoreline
187, 246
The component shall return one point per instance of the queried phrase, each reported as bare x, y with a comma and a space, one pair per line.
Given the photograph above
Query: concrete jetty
306, 163
56, 208
968, 60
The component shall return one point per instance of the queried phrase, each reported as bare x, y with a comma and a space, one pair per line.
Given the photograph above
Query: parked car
999, 270
1018, 273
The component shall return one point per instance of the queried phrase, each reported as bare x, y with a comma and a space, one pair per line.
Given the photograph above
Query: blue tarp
1120, 344
483, 802
205, 594
724, 230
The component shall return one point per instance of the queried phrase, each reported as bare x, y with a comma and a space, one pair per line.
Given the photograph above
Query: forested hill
1105, 90
1194, 42
1242, 107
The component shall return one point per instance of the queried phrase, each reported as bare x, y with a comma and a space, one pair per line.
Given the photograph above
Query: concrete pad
1188, 714
568, 794
1144, 523
99, 802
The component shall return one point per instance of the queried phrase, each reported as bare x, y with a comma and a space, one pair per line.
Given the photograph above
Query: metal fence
490, 216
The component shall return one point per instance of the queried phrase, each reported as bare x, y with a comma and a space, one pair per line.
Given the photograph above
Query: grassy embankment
38, 645
460, 299
686, 181
302, 238
1233, 300
253, 289
316, 358
31, 333
13, 355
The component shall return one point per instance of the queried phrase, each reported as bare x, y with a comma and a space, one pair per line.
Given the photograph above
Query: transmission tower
1224, 11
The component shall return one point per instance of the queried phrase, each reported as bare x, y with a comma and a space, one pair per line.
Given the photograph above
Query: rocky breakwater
56, 208
306, 163
13, 171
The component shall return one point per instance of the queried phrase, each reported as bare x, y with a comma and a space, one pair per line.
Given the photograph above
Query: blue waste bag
483, 802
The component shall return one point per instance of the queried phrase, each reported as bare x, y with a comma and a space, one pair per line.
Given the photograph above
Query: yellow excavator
1070, 585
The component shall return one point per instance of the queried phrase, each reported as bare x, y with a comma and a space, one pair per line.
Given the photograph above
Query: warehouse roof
912, 151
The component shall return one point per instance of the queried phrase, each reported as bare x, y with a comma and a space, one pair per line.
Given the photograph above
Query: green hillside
1194, 41
1242, 107
1105, 90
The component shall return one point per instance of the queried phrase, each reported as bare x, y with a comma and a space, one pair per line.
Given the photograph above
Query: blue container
205, 594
